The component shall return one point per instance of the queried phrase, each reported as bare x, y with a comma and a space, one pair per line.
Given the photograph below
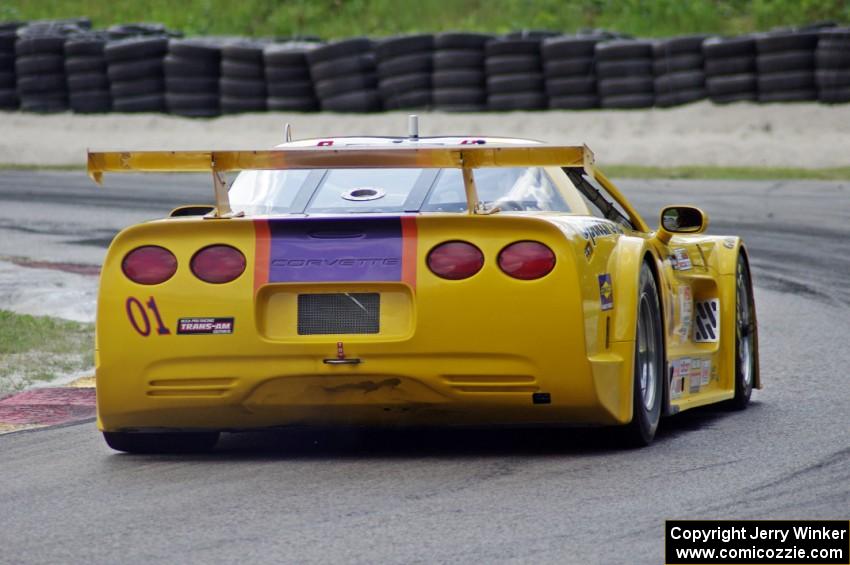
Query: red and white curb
41, 407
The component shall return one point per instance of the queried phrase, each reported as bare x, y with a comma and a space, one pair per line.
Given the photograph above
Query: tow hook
340, 358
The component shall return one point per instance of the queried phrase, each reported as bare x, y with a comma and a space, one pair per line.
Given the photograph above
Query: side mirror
681, 219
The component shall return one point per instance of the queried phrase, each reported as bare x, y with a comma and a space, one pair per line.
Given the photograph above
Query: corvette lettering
340, 262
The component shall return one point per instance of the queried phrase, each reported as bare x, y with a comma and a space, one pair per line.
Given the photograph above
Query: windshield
343, 191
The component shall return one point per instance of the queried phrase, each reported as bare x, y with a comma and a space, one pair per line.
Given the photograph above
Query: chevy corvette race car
413, 281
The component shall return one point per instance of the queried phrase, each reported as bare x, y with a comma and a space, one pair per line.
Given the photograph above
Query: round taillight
527, 260
218, 264
455, 260
149, 264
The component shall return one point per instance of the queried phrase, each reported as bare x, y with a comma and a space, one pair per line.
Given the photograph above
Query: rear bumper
242, 392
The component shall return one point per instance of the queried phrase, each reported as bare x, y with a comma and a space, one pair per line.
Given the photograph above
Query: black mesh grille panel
344, 313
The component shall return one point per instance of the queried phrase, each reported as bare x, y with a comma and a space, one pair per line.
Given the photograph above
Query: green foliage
20, 333
36, 348
345, 18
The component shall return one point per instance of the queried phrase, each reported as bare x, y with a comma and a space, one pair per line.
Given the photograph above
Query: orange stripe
408, 250
262, 238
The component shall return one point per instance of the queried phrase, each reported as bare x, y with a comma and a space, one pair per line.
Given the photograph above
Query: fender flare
624, 265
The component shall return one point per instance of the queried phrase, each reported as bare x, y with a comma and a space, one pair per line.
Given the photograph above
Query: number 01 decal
139, 319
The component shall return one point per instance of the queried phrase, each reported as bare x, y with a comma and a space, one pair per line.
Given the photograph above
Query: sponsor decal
686, 312
729, 243
606, 292
679, 371
591, 230
588, 251
694, 376
199, 326
680, 260
707, 322
705, 377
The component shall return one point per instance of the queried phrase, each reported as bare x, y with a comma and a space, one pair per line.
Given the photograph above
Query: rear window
341, 191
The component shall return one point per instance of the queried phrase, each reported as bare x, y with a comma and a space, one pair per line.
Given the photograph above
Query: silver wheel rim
647, 362
744, 329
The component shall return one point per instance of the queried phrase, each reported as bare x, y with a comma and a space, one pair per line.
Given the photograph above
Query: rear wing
576, 159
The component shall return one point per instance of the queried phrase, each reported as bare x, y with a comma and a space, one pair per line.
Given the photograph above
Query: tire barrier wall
64, 65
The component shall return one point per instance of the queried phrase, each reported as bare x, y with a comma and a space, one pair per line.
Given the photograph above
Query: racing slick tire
648, 389
746, 336
161, 442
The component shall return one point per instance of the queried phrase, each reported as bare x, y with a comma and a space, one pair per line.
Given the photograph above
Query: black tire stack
786, 66
730, 69
459, 78
40, 69
344, 75
242, 86
569, 65
135, 69
288, 82
192, 69
126, 31
85, 71
625, 75
679, 74
832, 58
8, 94
404, 71
515, 75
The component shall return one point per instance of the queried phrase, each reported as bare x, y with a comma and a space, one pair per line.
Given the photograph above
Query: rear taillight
455, 260
218, 264
527, 260
149, 264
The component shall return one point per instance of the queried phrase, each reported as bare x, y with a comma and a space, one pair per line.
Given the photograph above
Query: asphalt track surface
530, 496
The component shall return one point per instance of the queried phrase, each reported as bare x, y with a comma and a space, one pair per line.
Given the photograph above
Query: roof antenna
287, 132
413, 127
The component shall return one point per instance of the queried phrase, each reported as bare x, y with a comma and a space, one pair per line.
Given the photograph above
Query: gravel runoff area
804, 135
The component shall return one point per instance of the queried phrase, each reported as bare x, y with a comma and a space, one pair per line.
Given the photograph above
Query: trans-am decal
196, 326
317, 250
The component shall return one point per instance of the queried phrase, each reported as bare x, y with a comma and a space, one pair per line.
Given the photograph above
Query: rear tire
746, 332
161, 442
648, 389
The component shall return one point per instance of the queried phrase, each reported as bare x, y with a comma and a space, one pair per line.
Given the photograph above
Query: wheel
745, 336
161, 442
649, 365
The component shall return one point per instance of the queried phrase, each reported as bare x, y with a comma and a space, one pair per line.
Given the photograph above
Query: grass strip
39, 348
346, 18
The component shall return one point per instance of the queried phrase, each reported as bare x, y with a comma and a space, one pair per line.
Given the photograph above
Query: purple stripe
338, 250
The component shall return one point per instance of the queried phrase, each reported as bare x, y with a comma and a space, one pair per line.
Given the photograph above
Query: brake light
455, 260
527, 260
149, 264
218, 264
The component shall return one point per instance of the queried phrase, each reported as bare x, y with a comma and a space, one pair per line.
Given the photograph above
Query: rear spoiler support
220, 162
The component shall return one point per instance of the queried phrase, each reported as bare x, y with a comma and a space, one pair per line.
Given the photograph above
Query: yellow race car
412, 281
